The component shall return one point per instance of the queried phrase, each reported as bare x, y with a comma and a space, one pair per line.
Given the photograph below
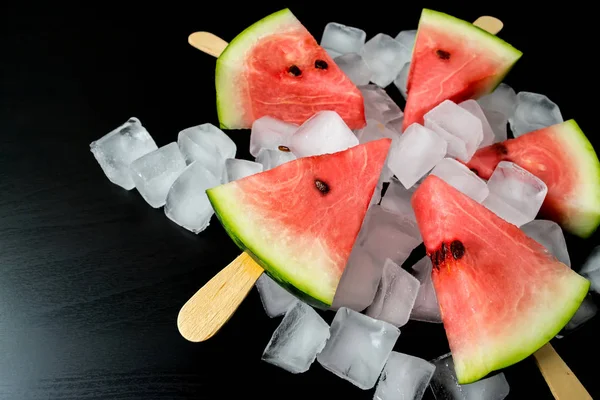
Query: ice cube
359, 281
238, 169
396, 124
270, 133
550, 235
516, 195
298, 339
444, 384
385, 57
375, 130
402, 79
379, 106
534, 111
208, 145
274, 158
395, 296
397, 199
474, 108
591, 269
325, 132
275, 299
342, 39
358, 348
407, 39
426, 306
586, 311
502, 100
415, 154
187, 203
117, 149
404, 377
452, 122
355, 68
462, 178
498, 122
155, 172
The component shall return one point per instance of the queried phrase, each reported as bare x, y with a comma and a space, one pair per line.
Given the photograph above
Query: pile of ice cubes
379, 292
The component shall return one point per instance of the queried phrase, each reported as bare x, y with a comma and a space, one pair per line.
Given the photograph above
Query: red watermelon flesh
276, 68
299, 221
453, 60
502, 295
562, 157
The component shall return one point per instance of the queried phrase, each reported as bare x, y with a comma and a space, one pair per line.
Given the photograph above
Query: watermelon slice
502, 295
299, 221
564, 159
276, 68
453, 60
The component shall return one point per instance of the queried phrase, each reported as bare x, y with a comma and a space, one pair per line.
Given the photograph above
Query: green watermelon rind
229, 109
580, 289
588, 166
222, 204
489, 41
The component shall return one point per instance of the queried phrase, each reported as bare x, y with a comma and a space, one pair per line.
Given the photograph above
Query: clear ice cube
488, 133
550, 235
586, 311
516, 195
379, 106
397, 199
383, 235
591, 269
385, 57
208, 145
502, 100
117, 149
187, 203
355, 68
396, 124
274, 158
402, 79
444, 384
462, 130
415, 154
462, 178
325, 132
155, 172
404, 377
298, 339
395, 296
275, 299
426, 308
534, 111
238, 169
270, 133
342, 39
375, 130
499, 124
407, 39
358, 347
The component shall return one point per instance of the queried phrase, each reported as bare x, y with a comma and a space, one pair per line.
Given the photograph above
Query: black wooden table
92, 278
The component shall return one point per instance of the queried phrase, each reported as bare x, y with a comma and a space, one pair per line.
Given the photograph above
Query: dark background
92, 278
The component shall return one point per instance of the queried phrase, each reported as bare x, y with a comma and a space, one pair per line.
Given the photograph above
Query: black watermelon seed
457, 249
444, 55
294, 70
320, 64
283, 148
322, 186
474, 171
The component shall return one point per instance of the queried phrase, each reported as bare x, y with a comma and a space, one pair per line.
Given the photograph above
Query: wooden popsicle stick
211, 307
563, 383
208, 43
490, 24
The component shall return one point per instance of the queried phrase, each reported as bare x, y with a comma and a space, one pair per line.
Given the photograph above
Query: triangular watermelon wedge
275, 67
299, 221
453, 60
502, 295
562, 157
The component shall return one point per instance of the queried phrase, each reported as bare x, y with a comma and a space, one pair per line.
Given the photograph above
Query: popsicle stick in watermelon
298, 221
